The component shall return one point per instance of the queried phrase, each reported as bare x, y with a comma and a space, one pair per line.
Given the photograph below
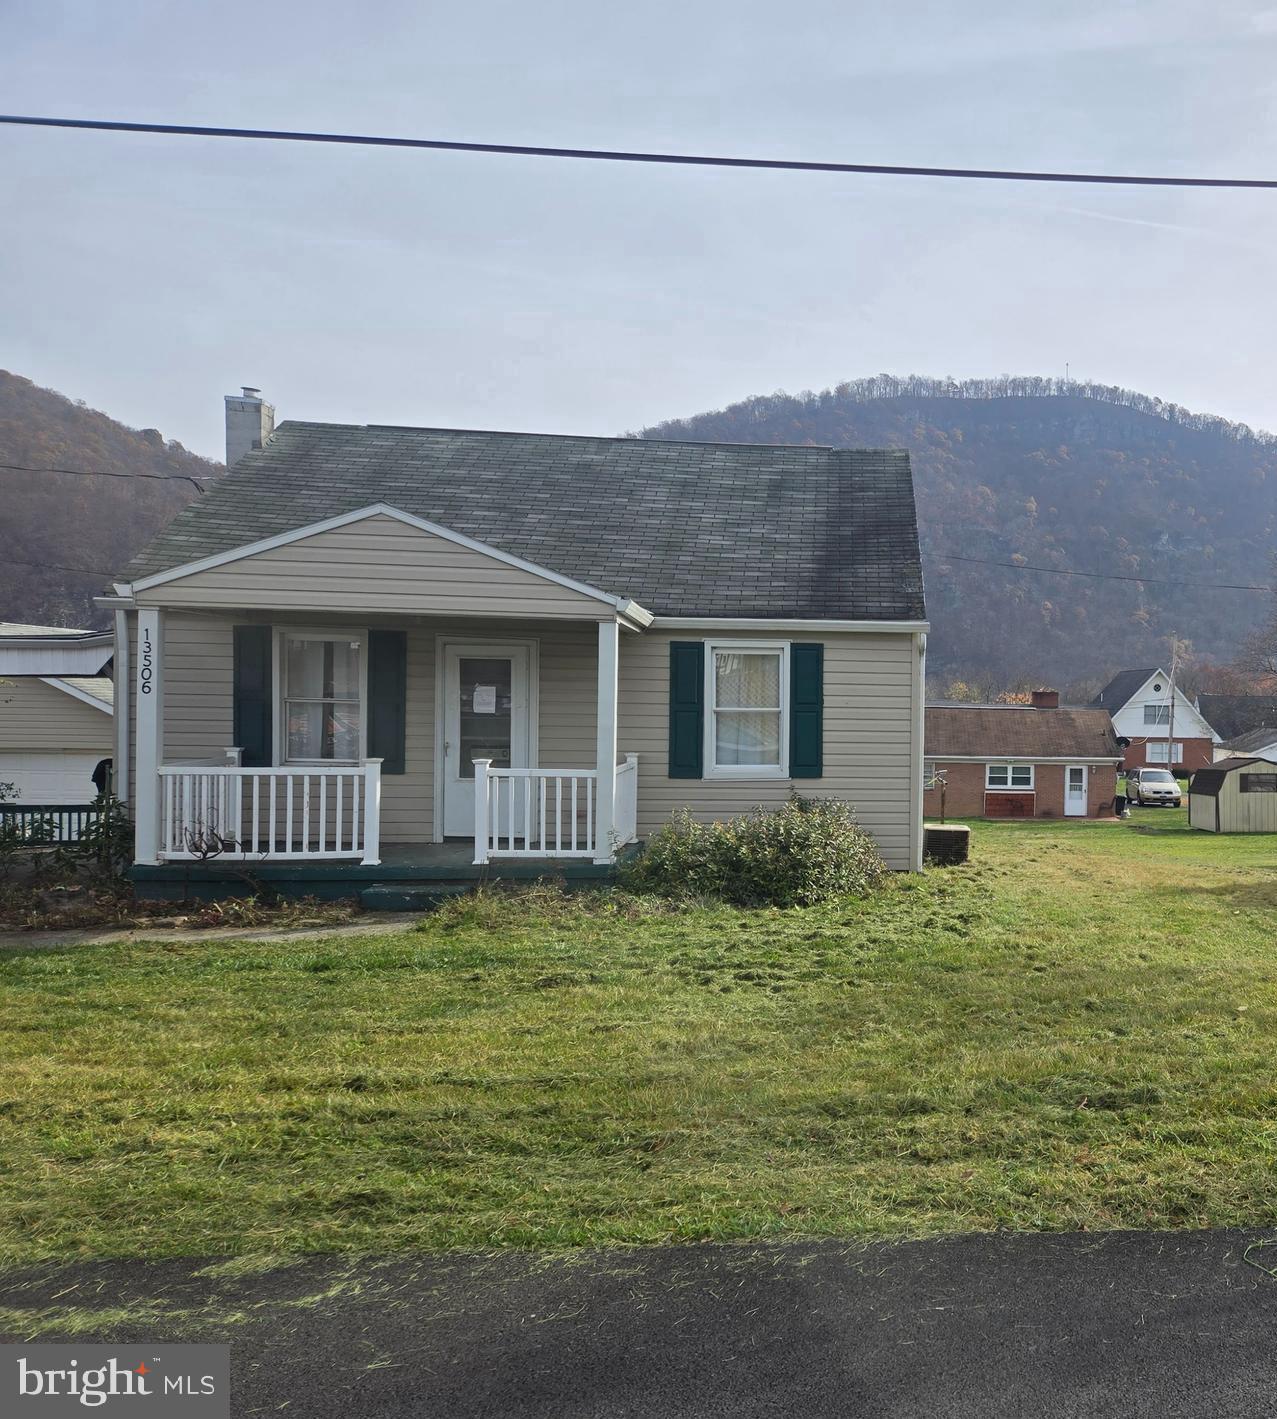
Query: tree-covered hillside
1023, 471
54, 523
1060, 475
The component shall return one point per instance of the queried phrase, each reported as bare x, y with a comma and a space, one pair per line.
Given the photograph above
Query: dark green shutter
253, 701
806, 709
687, 708
387, 698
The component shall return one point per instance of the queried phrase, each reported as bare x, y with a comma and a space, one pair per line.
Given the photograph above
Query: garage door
54, 778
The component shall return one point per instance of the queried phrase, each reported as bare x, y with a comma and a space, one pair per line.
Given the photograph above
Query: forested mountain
1024, 471
53, 523
1061, 475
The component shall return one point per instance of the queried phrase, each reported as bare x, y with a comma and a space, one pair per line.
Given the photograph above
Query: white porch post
372, 812
605, 756
123, 685
482, 833
150, 734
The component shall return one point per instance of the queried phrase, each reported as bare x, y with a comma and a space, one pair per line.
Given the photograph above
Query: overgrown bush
798, 855
102, 851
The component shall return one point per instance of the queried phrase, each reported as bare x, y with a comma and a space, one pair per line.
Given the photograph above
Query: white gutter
939, 758
758, 623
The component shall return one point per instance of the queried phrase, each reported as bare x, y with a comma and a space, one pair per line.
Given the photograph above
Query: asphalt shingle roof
1120, 688
1208, 782
683, 528
1252, 742
1231, 715
14, 630
1019, 732
99, 686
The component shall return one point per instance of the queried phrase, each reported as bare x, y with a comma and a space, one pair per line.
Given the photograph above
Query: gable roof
1208, 782
1257, 739
1231, 715
95, 690
1121, 688
52, 650
1018, 732
20, 630
685, 529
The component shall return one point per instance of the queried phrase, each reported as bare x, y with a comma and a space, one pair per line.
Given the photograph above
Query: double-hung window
747, 694
1157, 714
323, 685
1018, 777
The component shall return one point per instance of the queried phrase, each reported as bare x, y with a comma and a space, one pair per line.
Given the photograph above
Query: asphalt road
1126, 1323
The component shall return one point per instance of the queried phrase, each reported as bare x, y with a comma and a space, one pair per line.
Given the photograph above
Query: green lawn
1075, 1031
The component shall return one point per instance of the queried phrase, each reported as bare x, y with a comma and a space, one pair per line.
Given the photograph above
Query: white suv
1160, 786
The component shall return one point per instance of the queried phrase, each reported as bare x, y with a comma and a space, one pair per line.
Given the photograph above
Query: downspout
919, 748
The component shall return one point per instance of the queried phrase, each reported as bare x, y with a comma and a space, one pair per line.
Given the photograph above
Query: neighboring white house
1258, 744
56, 722
371, 643
1159, 728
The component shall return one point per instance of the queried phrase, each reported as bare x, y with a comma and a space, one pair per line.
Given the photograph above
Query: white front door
1075, 791
486, 716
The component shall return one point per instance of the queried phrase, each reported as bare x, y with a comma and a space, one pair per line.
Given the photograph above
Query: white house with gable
1158, 726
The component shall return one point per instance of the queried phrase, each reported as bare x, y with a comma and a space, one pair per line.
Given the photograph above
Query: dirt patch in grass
81, 906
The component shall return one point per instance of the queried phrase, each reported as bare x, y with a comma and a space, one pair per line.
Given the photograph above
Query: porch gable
380, 559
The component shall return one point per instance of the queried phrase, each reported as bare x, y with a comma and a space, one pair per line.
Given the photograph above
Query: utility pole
1170, 742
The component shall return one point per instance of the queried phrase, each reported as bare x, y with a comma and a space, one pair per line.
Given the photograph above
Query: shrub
798, 855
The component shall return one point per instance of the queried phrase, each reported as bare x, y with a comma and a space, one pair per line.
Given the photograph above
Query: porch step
406, 898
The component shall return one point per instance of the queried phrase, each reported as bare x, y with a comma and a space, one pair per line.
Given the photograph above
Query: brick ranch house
1019, 761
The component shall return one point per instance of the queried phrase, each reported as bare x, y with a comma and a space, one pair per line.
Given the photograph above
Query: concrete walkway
1051, 1327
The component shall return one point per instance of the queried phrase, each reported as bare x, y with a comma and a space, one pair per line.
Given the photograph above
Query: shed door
1075, 794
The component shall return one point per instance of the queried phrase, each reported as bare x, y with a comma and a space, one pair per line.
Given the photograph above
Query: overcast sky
149, 275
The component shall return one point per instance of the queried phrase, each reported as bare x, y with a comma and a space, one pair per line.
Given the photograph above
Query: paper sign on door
485, 699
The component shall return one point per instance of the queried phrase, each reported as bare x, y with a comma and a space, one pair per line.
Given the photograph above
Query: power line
58, 567
1100, 576
611, 155
104, 473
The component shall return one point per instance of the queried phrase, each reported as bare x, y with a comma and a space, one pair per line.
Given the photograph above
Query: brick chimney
1045, 699
250, 421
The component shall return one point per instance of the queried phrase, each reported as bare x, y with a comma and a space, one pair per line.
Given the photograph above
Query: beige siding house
370, 653
55, 712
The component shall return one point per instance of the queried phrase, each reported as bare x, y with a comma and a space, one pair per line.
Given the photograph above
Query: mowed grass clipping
1077, 1030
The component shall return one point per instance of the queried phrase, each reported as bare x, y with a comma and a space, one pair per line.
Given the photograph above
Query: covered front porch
409, 876
399, 748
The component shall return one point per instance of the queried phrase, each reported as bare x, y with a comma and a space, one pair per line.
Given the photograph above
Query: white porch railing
547, 812
311, 812
626, 809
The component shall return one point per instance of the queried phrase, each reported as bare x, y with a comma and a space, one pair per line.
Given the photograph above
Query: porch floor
424, 867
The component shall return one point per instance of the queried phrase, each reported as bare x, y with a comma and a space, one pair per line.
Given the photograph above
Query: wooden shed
1234, 796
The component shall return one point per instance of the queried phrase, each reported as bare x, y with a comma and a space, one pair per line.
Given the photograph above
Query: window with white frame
1157, 714
746, 697
323, 681
1156, 752
1017, 777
